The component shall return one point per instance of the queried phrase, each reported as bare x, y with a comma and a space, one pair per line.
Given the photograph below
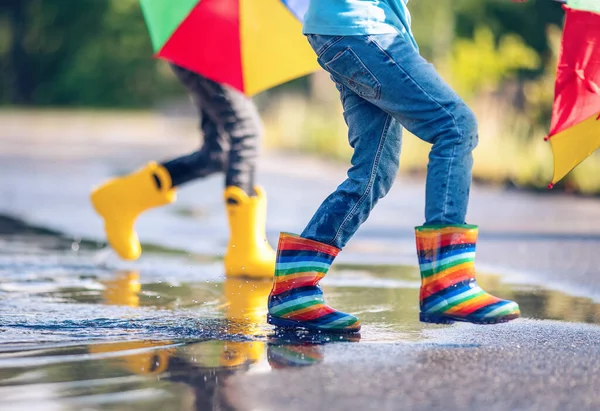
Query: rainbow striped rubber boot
449, 291
296, 299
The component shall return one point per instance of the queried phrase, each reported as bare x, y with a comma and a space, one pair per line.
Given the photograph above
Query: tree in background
78, 53
98, 53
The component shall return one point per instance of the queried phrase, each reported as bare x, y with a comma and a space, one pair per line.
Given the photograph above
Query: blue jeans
386, 85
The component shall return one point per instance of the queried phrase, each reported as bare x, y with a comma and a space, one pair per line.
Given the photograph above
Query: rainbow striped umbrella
575, 129
251, 45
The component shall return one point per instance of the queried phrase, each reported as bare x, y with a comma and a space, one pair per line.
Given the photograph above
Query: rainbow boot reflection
300, 350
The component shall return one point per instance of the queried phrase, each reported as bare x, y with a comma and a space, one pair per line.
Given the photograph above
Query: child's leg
235, 116
302, 261
296, 299
376, 138
374, 134
210, 159
384, 81
238, 117
388, 72
232, 131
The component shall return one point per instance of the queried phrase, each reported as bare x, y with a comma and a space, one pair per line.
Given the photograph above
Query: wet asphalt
539, 245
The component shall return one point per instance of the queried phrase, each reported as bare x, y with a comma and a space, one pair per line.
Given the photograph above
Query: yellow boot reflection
138, 357
144, 357
123, 289
246, 311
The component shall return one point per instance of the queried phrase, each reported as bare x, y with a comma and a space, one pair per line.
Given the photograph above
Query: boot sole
297, 325
448, 319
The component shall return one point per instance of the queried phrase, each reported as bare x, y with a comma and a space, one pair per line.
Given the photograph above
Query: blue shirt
358, 18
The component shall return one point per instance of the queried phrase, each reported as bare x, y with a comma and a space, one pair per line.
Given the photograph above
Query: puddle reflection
123, 289
203, 367
208, 332
76, 335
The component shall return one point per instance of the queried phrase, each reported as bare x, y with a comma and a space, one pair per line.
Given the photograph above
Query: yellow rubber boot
248, 253
120, 200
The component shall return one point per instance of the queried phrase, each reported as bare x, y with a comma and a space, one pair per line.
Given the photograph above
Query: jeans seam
447, 191
329, 44
341, 90
417, 84
382, 140
460, 133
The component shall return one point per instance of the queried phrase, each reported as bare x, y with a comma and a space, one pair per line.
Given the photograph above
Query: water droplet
75, 246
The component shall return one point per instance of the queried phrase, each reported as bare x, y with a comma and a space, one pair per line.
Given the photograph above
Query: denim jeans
385, 85
232, 130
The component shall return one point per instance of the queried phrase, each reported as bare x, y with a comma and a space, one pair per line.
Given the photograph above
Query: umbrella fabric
589, 5
251, 45
575, 128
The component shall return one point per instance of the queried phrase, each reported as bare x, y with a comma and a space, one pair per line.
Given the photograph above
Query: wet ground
81, 330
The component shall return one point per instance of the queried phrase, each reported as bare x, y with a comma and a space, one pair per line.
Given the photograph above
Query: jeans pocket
347, 67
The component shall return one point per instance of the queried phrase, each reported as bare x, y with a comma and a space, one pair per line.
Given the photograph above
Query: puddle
76, 334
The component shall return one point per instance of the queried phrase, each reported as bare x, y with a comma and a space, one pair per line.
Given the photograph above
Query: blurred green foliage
500, 57
78, 53
480, 64
97, 53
